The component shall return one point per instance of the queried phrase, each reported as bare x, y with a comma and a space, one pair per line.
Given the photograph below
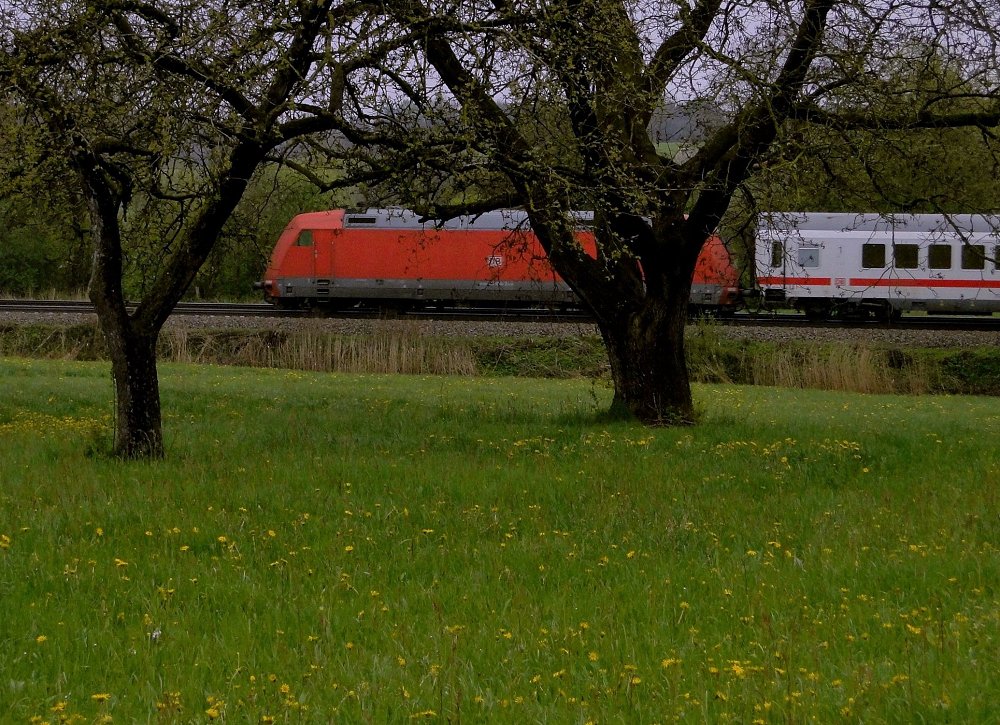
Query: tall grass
390, 349
851, 368
394, 347
361, 548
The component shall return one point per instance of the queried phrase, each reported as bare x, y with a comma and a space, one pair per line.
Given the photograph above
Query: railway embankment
872, 360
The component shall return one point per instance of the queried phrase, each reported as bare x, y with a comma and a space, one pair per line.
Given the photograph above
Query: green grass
323, 547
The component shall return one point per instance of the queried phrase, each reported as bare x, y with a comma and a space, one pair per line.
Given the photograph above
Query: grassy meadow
362, 548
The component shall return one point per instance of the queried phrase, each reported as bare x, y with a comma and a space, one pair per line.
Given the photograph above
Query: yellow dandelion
41, 639
101, 696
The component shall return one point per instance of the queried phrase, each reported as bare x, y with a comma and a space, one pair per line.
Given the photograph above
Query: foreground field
361, 548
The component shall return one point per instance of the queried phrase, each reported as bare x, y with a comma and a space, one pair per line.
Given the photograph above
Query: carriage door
322, 240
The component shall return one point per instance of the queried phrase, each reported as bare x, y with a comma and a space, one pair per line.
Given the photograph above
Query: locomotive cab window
939, 256
305, 238
904, 256
873, 256
973, 256
808, 257
777, 254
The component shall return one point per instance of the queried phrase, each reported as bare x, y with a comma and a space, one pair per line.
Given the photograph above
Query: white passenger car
866, 264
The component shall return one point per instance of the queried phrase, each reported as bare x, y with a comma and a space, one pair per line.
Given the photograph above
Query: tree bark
646, 351
131, 344
138, 428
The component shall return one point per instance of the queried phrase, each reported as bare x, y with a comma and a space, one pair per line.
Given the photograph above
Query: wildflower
348, 548
101, 696
593, 657
41, 639
4, 541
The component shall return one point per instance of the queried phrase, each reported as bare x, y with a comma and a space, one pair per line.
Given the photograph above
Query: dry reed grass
389, 350
399, 348
849, 368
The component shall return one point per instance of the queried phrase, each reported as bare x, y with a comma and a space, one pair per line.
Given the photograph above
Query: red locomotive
388, 258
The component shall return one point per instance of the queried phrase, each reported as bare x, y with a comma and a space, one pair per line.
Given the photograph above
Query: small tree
164, 111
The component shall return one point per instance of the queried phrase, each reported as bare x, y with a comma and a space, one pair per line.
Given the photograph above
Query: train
869, 266
389, 259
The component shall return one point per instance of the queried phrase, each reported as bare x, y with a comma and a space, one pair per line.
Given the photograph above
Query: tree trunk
131, 343
138, 431
646, 351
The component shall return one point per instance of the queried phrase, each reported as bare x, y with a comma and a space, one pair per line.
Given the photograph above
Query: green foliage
382, 549
885, 169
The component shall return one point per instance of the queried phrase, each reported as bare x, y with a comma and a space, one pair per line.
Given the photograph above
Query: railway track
261, 309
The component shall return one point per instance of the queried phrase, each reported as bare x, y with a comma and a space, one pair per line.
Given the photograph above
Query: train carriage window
973, 256
808, 257
872, 256
939, 256
904, 256
305, 238
777, 254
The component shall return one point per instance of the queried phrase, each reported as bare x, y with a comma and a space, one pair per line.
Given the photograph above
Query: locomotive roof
405, 219
850, 222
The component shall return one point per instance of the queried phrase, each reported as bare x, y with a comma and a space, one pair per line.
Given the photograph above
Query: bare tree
552, 107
